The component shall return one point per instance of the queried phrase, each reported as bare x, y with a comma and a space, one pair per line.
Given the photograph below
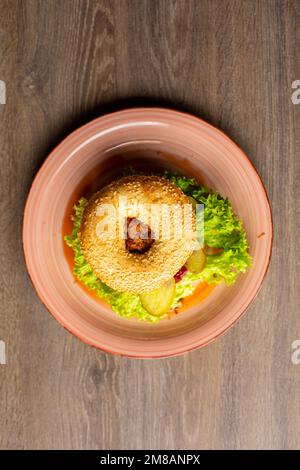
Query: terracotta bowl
91, 157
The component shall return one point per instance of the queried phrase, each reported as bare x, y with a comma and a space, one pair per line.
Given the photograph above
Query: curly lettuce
222, 229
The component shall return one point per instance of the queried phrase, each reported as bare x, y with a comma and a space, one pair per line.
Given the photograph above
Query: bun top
137, 232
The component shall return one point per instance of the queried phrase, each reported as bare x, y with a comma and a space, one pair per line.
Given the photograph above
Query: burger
145, 242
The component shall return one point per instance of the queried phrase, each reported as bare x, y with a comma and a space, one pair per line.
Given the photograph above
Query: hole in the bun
138, 236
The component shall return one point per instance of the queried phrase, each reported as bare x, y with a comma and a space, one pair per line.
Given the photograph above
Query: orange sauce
88, 186
200, 293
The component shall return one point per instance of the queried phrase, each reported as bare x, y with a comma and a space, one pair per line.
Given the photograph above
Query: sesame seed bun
110, 259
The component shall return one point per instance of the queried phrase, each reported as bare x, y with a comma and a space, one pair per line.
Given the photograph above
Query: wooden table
230, 62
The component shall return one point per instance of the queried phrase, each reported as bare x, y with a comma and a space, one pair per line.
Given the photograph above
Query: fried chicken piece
138, 236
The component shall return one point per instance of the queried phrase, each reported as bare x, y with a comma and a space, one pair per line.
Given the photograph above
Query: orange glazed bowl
93, 156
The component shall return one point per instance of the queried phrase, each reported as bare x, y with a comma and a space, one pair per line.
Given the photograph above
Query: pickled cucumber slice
196, 262
159, 301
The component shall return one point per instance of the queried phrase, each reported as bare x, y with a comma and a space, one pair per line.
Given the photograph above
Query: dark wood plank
231, 62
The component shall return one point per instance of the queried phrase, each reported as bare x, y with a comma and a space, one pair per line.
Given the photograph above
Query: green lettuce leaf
222, 229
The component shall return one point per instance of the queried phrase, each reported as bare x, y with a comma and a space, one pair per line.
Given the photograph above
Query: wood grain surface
231, 62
